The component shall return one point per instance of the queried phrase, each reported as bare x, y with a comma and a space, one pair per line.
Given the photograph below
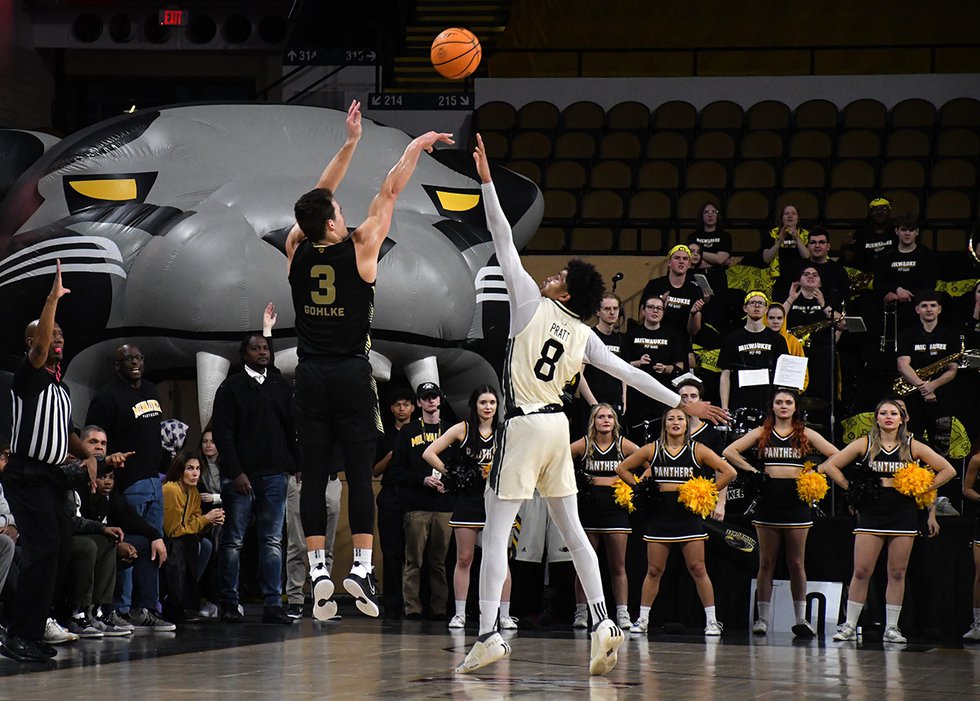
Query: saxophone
804, 332
903, 387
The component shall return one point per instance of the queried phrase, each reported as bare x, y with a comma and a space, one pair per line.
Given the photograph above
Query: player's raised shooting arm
335, 171
523, 292
372, 232
599, 355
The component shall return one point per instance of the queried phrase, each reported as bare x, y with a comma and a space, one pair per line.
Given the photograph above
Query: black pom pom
583, 483
863, 488
646, 495
464, 475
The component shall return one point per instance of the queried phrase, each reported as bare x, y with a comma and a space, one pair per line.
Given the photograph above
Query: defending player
332, 275
548, 343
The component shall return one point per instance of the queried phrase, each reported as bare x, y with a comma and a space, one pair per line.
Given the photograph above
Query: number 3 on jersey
325, 277
551, 351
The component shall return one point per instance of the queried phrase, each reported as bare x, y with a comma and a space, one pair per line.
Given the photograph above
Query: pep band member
673, 460
477, 438
600, 451
782, 443
892, 520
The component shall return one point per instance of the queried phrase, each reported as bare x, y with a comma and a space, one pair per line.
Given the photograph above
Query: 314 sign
319, 56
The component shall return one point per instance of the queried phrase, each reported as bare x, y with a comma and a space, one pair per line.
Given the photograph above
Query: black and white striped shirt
41, 415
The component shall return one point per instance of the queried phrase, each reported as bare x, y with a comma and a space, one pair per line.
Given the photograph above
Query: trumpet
903, 387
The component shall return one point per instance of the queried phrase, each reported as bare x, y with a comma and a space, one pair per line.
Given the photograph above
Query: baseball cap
428, 388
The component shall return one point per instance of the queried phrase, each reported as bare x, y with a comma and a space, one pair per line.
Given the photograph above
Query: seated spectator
787, 251
184, 526
90, 578
142, 547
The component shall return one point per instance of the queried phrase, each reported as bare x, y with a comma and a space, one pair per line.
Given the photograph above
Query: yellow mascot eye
110, 190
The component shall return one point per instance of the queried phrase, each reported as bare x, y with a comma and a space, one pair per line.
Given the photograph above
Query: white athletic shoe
974, 632
507, 623
845, 631
54, 634
893, 635
483, 653
606, 639
324, 608
623, 621
457, 621
581, 620
713, 629
640, 626
760, 627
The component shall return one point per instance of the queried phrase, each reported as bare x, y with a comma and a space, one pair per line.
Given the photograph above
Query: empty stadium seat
904, 202
846, 206
763, 145
747, 206
903, 173
754, 175
495, 116
958, 142
810, 144
591, 240
565, 174
612, 175
816, 114
961, 112
583, 116
575, 145
531, 146
623, 145
803, 174
602, 204
528, 169
649, 205
768, 115
538, 115
853, 174
667, 145
913, 113
632, 116
907, 143
559, 204
706, 175
658, 175
676, 116
714, 144
953, 172
858, 143
864, 114
723, 115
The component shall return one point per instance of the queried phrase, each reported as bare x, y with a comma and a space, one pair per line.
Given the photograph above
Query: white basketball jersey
543, 357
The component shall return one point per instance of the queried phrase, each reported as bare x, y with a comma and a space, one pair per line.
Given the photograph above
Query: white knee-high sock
564, 512
493, 570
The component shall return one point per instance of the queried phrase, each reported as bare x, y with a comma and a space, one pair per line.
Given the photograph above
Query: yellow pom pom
699, 495
485, 468
623, 495
811, 486
915, 481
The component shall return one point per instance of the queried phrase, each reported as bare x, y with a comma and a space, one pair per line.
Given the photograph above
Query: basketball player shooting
332, 274
549, 340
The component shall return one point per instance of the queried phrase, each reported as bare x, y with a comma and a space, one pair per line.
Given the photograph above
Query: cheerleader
598, 454
781, 443
891, 520
673, 460
970, 492
477, 439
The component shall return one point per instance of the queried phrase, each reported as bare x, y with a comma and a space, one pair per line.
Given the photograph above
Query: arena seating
631, 180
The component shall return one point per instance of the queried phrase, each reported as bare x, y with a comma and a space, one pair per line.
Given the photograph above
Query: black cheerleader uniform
710, 437
469, 510
893, 514
597, 507
671, 521
779, 504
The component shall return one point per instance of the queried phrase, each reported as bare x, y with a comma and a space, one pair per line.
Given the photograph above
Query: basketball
456, 53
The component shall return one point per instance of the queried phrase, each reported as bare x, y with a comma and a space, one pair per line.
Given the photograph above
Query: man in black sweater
253, 430
427, 507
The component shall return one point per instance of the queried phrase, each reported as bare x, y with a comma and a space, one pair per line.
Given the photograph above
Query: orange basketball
456, 53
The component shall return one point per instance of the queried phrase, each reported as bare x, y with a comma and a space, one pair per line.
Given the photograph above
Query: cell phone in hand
702, 282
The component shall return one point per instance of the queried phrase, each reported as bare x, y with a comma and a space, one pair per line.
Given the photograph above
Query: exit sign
173, 17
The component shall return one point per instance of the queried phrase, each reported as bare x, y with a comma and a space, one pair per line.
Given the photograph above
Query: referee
37, 476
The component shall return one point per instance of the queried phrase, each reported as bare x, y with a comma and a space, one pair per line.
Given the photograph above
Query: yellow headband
678, 247
756, 293
879, 202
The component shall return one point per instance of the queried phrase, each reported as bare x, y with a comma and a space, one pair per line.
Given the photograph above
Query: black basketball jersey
478, 446
602, 463
781, 453
709, 436
333, 305
887, 462
674, 469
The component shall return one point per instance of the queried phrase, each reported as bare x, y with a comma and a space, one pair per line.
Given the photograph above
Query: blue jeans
268, 502
146, 497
